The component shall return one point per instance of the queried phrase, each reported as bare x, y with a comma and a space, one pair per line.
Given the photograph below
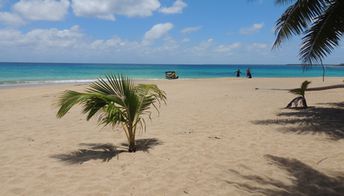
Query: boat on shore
171, 75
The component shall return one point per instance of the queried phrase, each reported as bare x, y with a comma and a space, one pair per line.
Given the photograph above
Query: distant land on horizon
341, 64
230, 64
122, 63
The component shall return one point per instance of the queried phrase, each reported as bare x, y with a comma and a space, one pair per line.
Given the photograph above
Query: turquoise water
36, 73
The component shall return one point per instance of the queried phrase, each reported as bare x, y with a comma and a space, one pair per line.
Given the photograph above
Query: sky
145, 31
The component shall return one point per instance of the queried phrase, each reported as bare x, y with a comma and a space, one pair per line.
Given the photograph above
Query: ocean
13, 74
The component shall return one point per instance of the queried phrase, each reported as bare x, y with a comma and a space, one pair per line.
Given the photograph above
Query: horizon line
167, 63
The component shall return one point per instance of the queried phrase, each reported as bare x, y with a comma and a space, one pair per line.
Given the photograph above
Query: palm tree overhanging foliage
321, 22
117, 101
299, 101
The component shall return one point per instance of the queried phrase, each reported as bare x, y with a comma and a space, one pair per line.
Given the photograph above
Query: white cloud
49, 10
176, 8
210, 49
101, 9
108, 9
9, 37
11, 19
259, 46
190, 29
227, 48
203, 47
157, 31
252, 29
113, 42
55, 37
42, 38
72, 45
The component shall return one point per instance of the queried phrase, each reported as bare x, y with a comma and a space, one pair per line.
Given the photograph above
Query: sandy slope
215, 137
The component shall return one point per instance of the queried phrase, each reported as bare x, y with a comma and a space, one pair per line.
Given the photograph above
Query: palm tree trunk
132, 146
304, 102
326, 87
131, 140
308, 89
298, 102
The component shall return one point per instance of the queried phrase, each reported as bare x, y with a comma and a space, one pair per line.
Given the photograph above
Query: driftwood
298, 102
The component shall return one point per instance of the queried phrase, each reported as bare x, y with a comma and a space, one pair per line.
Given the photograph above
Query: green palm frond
324, 35
321, 22
93, 105
149, 95
301, 91
152, 90
69, 99
295, 20
117, 101
112, 115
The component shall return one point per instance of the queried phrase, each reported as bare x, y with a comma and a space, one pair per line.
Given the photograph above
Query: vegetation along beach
175, 97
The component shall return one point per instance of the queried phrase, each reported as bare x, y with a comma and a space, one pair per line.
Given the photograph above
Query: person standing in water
238, 72
248, 73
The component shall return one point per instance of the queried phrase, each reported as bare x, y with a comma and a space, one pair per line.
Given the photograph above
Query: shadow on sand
104, 152
306, 181
328, 120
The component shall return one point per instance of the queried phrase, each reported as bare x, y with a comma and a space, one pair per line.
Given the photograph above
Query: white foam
43, 82
40, 82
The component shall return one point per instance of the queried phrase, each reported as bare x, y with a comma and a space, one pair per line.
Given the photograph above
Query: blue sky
145, 31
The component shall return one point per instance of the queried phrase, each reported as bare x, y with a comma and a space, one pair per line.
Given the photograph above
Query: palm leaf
149, 95
69, 99
93, 105
295, 20
112, 115
301, 91
117, 101
324, 35
153, 90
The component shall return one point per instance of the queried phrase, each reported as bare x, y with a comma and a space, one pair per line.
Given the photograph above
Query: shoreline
88, 81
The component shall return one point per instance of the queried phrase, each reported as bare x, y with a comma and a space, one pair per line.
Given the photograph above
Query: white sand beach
214, 137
